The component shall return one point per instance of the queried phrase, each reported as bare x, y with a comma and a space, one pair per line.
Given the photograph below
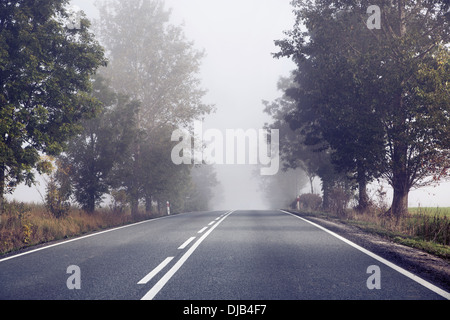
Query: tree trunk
311, 181
401, 18
363, 202
326, 188
2, 187
400, 180
400, 176
134, 204
148, 203
400, 139
90, 207
400, 203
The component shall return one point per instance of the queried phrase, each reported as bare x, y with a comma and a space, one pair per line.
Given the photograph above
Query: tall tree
98, 148
302, 144
45, 68
152, 62
372, 84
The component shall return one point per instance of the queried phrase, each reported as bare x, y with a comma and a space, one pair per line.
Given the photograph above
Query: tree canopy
376, 98
45, 70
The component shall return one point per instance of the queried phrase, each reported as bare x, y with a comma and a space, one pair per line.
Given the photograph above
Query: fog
239, 72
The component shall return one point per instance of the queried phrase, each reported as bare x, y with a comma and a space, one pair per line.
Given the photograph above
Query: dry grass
23, 225
424, 228
427, 224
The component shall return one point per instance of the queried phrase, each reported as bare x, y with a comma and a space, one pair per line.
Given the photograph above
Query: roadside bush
310, 201
56, 200
16, 228
338, 201
119, 201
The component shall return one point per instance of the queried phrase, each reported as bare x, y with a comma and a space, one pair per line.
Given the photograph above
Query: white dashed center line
186, 243
203, 229
155, 271
161, 283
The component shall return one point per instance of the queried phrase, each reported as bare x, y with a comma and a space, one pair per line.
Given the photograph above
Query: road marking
185, 244
202, 230
161, 283
155, 271
211, 223
406, 273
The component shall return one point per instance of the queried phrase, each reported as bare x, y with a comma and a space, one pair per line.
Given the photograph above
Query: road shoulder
422, 264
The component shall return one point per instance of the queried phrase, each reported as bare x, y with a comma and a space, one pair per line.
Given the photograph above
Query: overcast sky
239, 72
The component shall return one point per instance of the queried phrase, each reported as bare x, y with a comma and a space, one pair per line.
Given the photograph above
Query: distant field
445, 211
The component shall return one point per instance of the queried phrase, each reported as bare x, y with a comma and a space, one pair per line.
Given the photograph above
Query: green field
445, 211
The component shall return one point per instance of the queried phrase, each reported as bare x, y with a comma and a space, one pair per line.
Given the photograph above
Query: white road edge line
406, 273
161, 283
202, 230
155, 271
80, 238
185, 244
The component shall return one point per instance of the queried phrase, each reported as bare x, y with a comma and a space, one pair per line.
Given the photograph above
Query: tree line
366, 103
94, 105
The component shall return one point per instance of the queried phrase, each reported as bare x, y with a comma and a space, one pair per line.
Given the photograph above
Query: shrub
338, 201
56, 201
310, 201
119, 201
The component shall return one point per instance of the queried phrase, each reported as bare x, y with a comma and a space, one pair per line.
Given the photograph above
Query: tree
383, 73
201, 193
45, 70
334, 98
151, 62
59, 191
160, 179
103, 141
301, 144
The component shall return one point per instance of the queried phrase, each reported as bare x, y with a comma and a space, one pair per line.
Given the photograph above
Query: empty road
221, 255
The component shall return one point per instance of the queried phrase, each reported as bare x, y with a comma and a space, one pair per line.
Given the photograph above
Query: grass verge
25, 225
427, 229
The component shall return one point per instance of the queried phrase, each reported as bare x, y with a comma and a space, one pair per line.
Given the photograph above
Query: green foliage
44, 75
17, 216
151, 89
58, 192
113, 155
119, 201
376, 99
101, 144
301, 143
310, 201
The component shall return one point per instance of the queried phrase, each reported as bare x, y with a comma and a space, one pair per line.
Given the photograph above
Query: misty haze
306, 143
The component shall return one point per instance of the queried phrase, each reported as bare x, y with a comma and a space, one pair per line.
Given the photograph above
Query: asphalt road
222, 255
